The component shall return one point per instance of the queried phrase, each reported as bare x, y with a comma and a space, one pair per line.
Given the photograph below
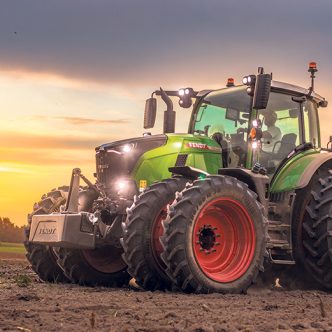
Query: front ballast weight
73, 228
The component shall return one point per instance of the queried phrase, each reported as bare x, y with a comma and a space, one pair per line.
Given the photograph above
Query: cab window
281, 125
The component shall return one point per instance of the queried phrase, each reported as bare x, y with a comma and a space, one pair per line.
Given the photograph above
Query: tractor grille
181, 160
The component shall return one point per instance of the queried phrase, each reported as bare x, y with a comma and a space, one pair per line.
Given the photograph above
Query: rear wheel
142, 231
215, 237
43, 259
313, 227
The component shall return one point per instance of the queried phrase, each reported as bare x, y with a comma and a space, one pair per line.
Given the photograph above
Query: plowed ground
27, 304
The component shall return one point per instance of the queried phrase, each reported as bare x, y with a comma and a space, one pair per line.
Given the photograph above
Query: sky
75, 74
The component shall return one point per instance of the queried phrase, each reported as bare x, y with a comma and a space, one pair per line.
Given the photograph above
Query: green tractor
74, 231
201, 211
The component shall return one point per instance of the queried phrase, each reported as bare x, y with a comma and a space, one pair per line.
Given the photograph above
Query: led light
254, 145
121, 185
126, 148
255, 123
93, 218
186, 91
249, 79
181, 92
245, 80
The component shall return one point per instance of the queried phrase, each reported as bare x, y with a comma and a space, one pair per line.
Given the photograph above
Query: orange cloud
85, 121
33, 141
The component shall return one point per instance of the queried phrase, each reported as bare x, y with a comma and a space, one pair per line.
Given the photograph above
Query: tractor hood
117, 160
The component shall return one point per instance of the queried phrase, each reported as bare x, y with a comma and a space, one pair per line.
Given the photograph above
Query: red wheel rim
224, 240
106, 259
157, 232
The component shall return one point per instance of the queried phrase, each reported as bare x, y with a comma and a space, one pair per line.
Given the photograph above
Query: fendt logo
201, 146
47, 230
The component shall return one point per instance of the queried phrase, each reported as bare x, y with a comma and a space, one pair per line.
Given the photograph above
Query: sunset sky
74, 74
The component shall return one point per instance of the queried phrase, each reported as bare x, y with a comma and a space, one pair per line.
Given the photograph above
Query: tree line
10, 232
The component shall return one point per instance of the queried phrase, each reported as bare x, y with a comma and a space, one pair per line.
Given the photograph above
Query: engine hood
149, 141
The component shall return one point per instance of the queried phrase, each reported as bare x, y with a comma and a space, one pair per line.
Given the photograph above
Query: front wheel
215, 237
142, 230
43, 259
102, 266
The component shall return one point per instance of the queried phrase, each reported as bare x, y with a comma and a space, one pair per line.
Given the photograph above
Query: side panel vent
181, 160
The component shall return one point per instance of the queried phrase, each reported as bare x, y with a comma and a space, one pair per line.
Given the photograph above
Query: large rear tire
312, 235
142, 230
215, 237
43, 259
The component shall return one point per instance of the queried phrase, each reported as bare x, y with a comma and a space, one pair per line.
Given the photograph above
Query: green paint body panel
203, 153
289, 176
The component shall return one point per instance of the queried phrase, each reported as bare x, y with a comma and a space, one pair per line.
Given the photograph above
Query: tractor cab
268, 136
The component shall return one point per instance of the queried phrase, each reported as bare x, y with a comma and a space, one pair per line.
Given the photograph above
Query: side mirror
262, 90
150, 113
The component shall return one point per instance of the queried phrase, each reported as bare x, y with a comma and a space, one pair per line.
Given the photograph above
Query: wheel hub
224, 239
207, 236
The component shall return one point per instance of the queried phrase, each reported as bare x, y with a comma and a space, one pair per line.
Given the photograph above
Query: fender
319, 161
188, 172
256, 182
297, 173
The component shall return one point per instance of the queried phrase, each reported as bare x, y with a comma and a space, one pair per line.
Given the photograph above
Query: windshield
226, 113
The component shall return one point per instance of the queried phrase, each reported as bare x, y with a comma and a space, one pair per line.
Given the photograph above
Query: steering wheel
241, 130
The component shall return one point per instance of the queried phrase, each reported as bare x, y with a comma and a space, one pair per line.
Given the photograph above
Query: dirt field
26, 304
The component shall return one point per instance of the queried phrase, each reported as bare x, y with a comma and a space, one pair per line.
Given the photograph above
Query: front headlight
123, 149
126, 148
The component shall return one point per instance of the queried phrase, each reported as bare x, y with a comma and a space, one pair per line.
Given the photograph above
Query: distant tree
9, 232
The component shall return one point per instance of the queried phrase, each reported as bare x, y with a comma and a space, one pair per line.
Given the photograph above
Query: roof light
312, 66
230, 82
181, 92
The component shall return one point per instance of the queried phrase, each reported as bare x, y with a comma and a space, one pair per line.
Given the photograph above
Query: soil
27, 304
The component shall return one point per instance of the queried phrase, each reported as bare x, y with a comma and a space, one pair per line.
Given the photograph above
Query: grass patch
17, 248
22, 280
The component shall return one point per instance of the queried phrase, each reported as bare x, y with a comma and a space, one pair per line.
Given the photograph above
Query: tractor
203, 211
74, 232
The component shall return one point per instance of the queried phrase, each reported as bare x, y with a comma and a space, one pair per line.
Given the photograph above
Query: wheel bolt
217, 244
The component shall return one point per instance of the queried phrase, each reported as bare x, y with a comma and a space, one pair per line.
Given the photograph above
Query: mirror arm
166, 99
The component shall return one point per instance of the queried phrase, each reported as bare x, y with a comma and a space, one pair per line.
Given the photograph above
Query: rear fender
297, 173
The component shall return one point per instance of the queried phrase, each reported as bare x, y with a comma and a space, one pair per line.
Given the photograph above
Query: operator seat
284, 146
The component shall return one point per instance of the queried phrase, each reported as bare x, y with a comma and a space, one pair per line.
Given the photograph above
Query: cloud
133, 42
85, 121
39, 157
16, 140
